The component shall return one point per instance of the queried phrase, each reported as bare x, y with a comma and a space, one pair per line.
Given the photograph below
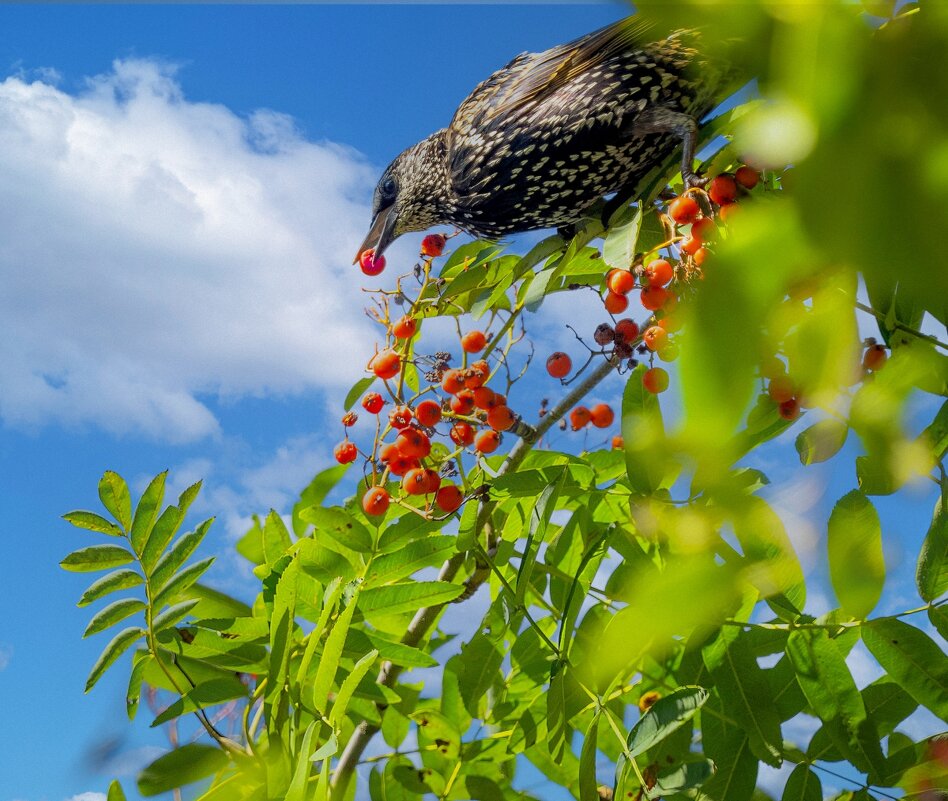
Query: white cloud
155, 252
87, 797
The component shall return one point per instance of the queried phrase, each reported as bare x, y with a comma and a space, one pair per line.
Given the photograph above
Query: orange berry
747, 177
415, 482
700, 255
684, 209
373, 403
690, 245
559, 364
722, 189
428, 413
399, 417
385, 364
617, 442
771, 367
345, 452
462, 434
477, 375
655, 337
627, 331
727, 211
500, 418
484, 398
620, 282
654, 297
449, 498
433, 244
602, 415
474, 341
790, 409
389, 453
704, 230
499, 399
349, 419
874, 357
579, 417
615, 304
404, 328
781, 389
659, 272
655, 380
413, 444
402, 464
452, 381
463, 402
375, 501
670, 322
487, 441
432, 481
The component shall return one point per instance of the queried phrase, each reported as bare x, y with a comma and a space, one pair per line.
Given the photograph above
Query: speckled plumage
546, 136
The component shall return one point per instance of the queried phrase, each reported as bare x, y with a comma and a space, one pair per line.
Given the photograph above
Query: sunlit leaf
112, 614
113, 492
120, 579
857, 566
116, 647
931, 575
92, 522
96, 557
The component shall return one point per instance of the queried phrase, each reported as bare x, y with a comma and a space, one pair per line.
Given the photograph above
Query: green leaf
726, 744
587, 763
679, 779
644, 435
857, 566
829, 688
96, 557
802, 785
173, 614
276, 537
341, 527
116, 793
178, 554
409, 559
931, 575
166, 526
938, 615
540, 511
556, 722
315, 493
120, 579
349, 685
184, 765
112, 614
181, 582
297, 789
92, 522
116, 647
480, 662
140, 663
821, 441
209, 693
356, 392
113, 492
912, 659
146, 510
329, 661
665, 716
618, 249
407, 597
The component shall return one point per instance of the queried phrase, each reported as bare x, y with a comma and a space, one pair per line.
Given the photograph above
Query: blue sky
166, 174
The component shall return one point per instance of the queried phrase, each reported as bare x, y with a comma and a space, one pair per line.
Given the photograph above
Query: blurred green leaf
681, 778
211, 693
587, 763
643, 431
115, 792
821, 441
856, 562
96, 557
180, 767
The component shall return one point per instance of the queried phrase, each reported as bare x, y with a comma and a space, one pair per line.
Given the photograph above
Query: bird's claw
694, 181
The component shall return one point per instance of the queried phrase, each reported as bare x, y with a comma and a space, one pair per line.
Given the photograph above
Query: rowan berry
655, 337
579, 417
602, 415
345, 452
874, 357
477, 375
449, 498
385, 364
654, 297
373, 403
604, 334
415, 482
559, 364
627, 331
727, 211
405, 327
684, 209
452, 381
704, 229
790, 409
369, 264
413, 443
389, 453
402, 464
722, 189
474, 341
500, 418
428, 413
432, 481
747, 177
399, 417
463, 402
349, 419
487, 441
618, 443
781, 389
701, 254
615, 304
659, 272
690, 245
433, 245
375, 502
462, 434
620, 282
655, 380
484, 398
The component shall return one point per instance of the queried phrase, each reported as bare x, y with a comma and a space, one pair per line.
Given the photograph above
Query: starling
545, 137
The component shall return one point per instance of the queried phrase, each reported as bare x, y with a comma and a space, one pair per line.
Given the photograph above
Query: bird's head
410, 195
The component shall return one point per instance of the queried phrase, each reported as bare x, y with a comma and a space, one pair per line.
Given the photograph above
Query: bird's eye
388, 187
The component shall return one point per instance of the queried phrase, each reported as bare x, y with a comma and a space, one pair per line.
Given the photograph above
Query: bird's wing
517, 89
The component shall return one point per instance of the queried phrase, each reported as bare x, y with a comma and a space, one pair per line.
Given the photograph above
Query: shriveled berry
579, 417
655, 337
373, 403
747, 177
452, 381
559, 364
474, 341
433, 245
500, 418
704, 230
463, 402
477, 375
349, 419
647, 700
375, 502
684, 209
369, 264
428, 413
654, 297
655, 380
618, 443
604, 334
413, 444
659, 272
601, 415
620, 282
722, 189
790, 409
399, 417
874, 357
487, 441
462, 434
345, 452
615, 304
627, 330
449, 498
404, 327
385, 364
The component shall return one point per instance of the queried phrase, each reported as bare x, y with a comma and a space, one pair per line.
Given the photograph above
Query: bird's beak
380, 234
